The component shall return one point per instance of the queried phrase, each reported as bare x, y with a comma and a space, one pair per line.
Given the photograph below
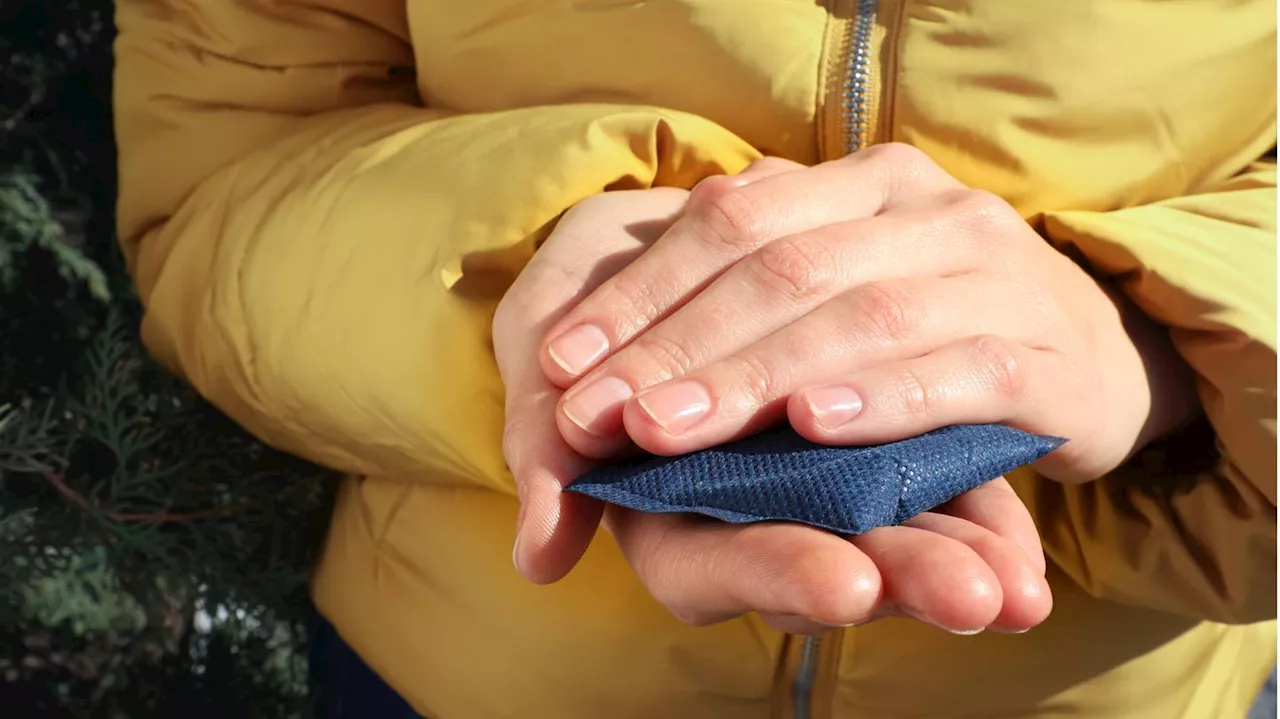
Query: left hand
868, 299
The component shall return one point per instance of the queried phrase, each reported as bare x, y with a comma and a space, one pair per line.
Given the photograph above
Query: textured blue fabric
780, 476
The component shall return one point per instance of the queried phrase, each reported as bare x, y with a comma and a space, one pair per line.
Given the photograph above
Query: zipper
857, 90
855, 108
806, 673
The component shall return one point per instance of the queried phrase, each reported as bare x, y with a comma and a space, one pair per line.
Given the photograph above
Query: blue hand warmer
780, 476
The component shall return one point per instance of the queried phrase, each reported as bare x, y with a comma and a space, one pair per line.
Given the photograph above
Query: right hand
962, 567
592, 242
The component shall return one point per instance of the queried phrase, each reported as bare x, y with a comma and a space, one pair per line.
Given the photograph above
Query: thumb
591, 242
554, 527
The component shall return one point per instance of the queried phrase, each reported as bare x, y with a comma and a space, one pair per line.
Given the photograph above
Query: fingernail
579, 348
832, 407
515, 546
597, 408
926, 619
676, 407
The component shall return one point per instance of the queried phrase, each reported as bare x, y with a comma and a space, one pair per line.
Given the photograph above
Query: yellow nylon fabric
322, 202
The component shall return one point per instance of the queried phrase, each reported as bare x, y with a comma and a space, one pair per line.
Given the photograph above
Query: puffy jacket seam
179, 46
380, 537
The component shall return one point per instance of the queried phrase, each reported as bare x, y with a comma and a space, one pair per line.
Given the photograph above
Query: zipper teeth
857, 105
857, 88
857, 122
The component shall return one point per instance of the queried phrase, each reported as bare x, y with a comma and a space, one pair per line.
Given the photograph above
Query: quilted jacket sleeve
318, 253
1168, 530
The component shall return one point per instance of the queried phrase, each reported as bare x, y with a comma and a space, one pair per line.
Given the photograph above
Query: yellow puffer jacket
322, 202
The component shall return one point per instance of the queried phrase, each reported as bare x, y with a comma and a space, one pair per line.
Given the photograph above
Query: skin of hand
865, 300
975, 563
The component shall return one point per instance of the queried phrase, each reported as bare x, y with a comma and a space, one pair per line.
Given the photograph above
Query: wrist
1166, 380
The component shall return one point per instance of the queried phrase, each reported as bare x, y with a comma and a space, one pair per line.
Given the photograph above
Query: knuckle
915, 396
898, 153
984, 209
800, 267
632, 304
906, 160
647, 547
510, 450
753, 377
664, 356
901, 166
513, 447
814, 589
887, 311
1004, 369
711, 186
662, 564
818, 599
729, 217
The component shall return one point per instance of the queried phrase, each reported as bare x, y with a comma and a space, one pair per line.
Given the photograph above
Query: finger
792, 624
594, 240
612, 393
721, 225
554, 527
707, 572
997, 507
975, 380
1025, 596
934, 578
795, 625
746, 390
585, 345
772, 291
762, 168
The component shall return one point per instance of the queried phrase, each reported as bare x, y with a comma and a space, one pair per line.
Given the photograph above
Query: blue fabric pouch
780, 476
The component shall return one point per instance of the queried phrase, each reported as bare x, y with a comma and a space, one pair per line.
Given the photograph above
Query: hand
973, 564
590, 243
970, 565
867, 299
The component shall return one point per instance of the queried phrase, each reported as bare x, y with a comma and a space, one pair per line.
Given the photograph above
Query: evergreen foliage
153, 557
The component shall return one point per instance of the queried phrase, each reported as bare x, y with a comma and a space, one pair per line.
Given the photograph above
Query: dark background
153, 558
